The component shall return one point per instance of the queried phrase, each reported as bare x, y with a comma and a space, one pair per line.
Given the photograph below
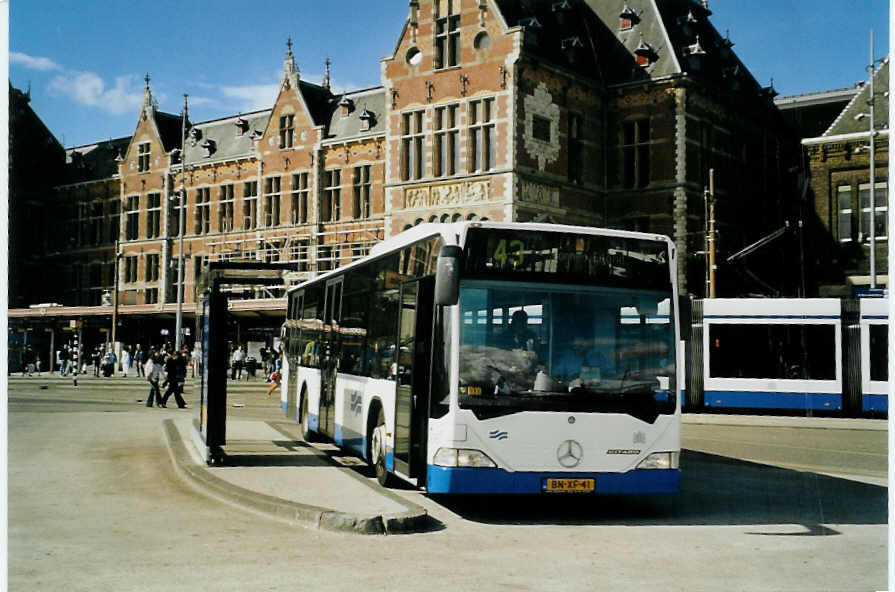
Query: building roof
94, 162
362, 105
851, 121
224, 139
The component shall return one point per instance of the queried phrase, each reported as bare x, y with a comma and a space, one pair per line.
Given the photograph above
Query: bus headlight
661, 460
462, 457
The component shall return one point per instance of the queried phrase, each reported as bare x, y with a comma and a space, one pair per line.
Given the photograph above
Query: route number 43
509, 253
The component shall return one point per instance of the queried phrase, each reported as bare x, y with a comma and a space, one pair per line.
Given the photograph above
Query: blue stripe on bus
875, 317
766, 400
283, 403
471, 480
875, 403
770, 316
313, 422
350, 439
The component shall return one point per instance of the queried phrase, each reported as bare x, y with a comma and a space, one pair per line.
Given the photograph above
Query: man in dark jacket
175, 369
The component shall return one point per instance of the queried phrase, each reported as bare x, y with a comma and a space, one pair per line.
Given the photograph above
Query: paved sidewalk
267, 468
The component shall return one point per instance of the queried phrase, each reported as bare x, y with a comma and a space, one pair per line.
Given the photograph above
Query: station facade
598, 113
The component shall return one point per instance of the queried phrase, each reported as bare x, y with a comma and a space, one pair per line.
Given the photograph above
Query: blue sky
85, 60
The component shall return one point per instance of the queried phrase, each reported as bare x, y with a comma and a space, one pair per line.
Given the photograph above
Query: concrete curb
415, 519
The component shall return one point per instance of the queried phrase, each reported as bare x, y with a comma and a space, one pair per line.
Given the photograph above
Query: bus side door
414, 357
329, 355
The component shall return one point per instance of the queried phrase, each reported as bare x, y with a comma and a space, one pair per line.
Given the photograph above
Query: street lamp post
871, 102
178, 338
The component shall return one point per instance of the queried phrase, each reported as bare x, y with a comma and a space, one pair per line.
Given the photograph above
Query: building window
225, 208
143, 157
287, 130
114, 220
332, 196
362, 186
880, 207
152, 267
272, 201
447, 146
178, 210
152, 296
845, 213
203, 210
576, 149
299, 254
540, 128
325, 261
96, 223
300, 192
249, 204
481, 135
153, 215
447, 34
130, 269
131, 229
412, 146
635, 153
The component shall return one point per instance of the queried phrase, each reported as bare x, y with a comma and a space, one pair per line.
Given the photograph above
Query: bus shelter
212, 331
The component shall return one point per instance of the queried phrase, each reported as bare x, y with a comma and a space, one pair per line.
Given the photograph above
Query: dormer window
242, 126
210, 146
346, 106
531, 22
195, 135
628, 18
571, 46
287, 130
367, 120
645, 54
694, 54
447, 34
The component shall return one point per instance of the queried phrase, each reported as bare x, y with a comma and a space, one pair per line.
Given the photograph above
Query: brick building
839, 194
606, 113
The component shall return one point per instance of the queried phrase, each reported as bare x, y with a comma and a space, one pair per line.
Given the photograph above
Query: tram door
414, 358
330, 347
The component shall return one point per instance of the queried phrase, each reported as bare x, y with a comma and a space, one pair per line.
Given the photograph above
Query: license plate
569, 485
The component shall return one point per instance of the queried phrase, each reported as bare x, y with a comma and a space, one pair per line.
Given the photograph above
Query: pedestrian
37, 364
28, 361
175, 370
237, 362
275, 377
64, 355
125, 361
154, 376
96, 357
140, 360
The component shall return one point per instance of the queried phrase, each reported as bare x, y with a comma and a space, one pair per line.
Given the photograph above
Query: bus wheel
306, 434
377, 451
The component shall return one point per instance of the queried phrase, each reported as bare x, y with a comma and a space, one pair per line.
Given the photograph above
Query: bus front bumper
486, 480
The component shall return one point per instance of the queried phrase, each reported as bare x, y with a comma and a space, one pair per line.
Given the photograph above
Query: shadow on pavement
715, 490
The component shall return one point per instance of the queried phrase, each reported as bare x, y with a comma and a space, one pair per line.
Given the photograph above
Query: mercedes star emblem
569, 454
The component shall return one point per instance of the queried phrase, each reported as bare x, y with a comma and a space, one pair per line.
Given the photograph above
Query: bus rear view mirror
447, 276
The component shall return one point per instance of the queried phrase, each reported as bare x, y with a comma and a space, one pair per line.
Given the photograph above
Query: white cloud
251, 97
33, 62
88, 88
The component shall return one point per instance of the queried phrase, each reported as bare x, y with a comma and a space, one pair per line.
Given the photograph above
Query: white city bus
484, 357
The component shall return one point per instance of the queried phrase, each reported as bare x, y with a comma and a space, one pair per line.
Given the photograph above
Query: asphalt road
94, 504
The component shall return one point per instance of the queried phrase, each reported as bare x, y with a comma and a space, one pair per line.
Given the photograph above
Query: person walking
175, 368
64, 355
140, 360
154, 376
96, 357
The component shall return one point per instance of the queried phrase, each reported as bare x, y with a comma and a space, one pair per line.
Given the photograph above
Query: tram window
777, 351
879, 352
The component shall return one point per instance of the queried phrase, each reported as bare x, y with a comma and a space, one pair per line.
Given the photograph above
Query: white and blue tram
788, 354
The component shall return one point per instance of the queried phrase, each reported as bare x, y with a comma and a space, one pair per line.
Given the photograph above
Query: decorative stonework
538, 193
451, 194
541, 103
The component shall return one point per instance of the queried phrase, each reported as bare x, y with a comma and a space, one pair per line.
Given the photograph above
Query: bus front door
330, 354
413, 362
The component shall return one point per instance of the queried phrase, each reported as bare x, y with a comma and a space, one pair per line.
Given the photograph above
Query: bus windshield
557, 347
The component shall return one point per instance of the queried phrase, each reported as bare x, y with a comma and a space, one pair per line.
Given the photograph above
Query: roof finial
147, 80
291, 73
148, 105
327, 82
289, 45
